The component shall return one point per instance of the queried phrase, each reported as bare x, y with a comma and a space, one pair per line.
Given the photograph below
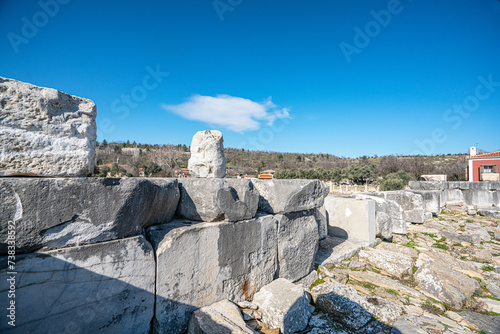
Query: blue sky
348, 78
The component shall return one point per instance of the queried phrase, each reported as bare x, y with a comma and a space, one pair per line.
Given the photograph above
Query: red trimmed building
483, 167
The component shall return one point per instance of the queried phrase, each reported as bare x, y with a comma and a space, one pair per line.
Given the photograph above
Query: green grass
440, 246
394, 292
411, 244
463, 258
457, 244
317, 282
430, 235
375, 270
429, 307
369, 286
441, 240
488, 268
493, 298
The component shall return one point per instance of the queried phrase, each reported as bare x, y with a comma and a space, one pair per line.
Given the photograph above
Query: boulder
284, 305
207, 155
222, 317
445, 285
107, 287
285, 196
412, 204
211, 200
62, 212
388, 262
199, 264
297, 244
45, 132
351, 218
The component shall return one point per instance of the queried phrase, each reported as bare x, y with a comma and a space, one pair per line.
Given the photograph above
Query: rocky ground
443, 277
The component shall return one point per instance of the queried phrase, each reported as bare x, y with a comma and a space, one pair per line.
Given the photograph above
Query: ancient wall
480, 194
124, 255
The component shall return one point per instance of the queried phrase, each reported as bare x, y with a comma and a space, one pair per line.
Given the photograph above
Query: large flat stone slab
444, 284
62, 212
345, 306
285, 196
45, 132
388, 262
199, 264
333, 250
217, 199
103, 288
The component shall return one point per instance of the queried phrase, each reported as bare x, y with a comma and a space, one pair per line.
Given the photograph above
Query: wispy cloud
230, 112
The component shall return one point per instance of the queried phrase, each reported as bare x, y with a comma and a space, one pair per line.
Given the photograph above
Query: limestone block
199, 264
62, 212
45, 132
284, 196
284, 305
389, 208
297, 244
207, 155
351, 218
217, 199
107, 287
412, 204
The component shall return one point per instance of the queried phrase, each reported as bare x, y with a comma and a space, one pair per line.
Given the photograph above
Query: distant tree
104, 143
392, 184
151, 168
396, 181
103, 171
361, 172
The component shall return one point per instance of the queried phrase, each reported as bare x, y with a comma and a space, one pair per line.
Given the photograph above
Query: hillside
163, 160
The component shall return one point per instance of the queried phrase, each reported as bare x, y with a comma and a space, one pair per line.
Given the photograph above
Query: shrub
392, 184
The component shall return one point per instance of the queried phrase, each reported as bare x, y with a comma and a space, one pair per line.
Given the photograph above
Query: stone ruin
209, 254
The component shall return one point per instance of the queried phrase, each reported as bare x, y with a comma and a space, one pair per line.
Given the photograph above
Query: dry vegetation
162, 160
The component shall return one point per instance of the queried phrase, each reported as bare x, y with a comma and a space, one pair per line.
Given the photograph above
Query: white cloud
230, 112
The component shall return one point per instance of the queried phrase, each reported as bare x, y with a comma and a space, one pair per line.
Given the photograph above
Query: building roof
486, 155
265, 176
